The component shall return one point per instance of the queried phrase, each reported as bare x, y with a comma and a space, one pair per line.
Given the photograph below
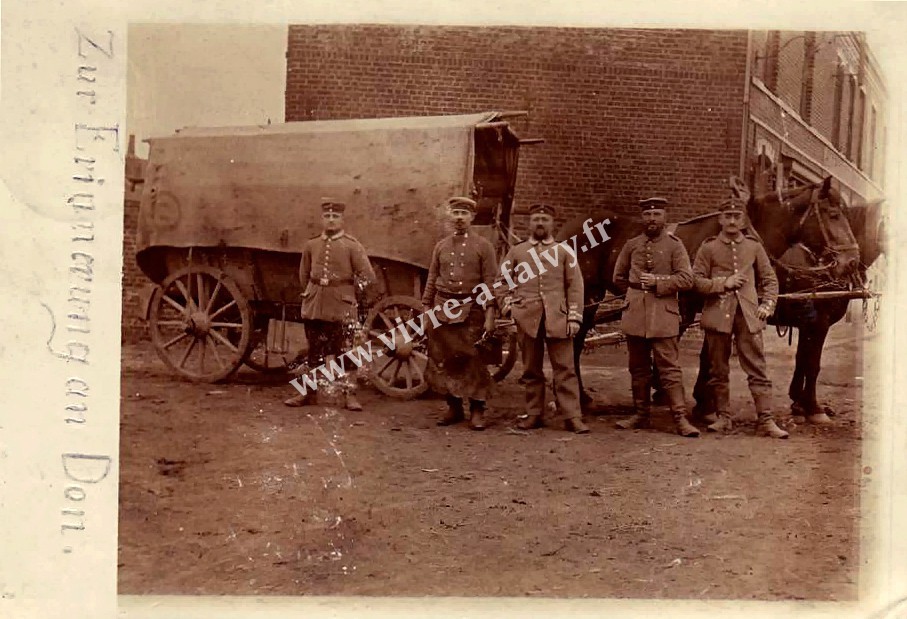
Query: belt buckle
324, 281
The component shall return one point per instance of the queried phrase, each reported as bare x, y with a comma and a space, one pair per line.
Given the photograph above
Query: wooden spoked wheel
398, 371
201, 323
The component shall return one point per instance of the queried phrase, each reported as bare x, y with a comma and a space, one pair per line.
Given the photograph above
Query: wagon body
241, 202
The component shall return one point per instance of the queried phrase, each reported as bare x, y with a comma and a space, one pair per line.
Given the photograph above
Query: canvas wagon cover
261, 187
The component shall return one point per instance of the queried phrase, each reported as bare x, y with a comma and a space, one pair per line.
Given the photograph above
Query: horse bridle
829, 248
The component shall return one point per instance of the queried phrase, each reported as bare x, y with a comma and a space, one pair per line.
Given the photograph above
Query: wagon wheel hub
404, 351
198, 323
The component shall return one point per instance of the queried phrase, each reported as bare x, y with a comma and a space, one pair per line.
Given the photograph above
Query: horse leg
701, 393
808, 401
797, 381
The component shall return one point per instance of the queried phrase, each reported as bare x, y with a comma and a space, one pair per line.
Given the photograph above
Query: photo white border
40, 67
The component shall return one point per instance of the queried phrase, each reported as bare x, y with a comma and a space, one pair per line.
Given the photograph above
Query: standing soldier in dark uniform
459, 263
332, 265
729, 269
651, 268
548, 309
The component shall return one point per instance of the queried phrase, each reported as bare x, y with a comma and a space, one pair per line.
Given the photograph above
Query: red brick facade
817, 105
625, 114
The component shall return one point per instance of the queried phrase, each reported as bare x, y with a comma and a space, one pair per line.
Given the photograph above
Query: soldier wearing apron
459, 263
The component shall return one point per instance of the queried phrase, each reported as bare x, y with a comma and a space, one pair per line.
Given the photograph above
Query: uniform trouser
327, 338
666, 353
566, 386
752, 360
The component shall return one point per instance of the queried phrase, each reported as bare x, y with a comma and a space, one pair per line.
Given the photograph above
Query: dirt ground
226, 491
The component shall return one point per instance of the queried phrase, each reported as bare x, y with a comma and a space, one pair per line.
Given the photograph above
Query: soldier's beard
541, 233
653, 230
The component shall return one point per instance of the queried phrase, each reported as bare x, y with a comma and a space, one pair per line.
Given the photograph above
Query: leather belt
637, 286
328, 283
452, 295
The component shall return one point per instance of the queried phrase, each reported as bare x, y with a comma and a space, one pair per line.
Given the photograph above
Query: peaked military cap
732, 203
653, 203
547, 209
462, 202
330, 205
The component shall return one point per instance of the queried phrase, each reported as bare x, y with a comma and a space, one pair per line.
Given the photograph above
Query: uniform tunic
542, 307
459, 263
556, 294
719, 257
328, 272
653, 313
651, 319
731, 314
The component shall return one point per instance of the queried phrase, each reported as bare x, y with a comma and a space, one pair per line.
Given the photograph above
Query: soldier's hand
763, 312
735, 281
647, 279
572, 328
505, 306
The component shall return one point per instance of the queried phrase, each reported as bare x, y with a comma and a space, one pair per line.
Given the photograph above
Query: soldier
547, 308
729, 268
651, 268
459, 263
332, 265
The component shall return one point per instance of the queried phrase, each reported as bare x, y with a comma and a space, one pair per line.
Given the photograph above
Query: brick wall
790, 68
625, 113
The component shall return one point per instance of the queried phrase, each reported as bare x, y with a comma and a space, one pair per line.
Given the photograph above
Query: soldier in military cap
333, 264
651, 268
459, 263
548, 309
729, 269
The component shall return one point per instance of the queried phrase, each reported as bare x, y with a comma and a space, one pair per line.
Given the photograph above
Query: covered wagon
225, 213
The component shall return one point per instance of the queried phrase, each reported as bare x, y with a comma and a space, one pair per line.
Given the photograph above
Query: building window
861, 116
872, 142
836, 110
850, 116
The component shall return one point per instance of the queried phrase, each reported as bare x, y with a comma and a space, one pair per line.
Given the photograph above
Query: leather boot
766, 426
309, 399
477, 414
454, 412
722, 424
576, 425
351, 403
684, 427
529, 422
640, 419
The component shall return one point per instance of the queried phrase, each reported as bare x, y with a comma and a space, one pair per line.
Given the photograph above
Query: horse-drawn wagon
225, 213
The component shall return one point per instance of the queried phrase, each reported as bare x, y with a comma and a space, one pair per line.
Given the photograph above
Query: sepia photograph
499, 311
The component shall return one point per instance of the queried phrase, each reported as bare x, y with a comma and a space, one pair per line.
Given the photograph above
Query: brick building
625, 113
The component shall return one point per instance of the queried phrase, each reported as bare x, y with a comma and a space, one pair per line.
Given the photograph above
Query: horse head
813, 217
